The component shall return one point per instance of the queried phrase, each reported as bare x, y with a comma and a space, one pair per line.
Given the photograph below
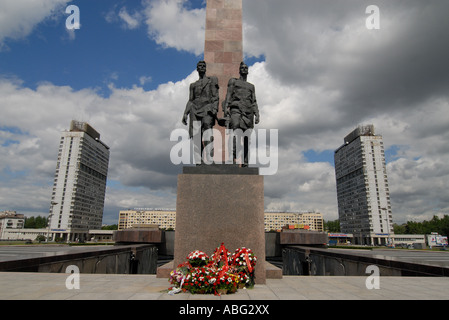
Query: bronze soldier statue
240, 110
202, 107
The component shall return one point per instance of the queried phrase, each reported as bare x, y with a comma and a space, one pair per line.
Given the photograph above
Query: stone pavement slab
52, 286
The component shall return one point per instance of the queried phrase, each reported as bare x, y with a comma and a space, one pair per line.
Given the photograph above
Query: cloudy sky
319, 72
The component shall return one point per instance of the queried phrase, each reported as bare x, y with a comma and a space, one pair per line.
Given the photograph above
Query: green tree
35, 222
110, 227
400, 229
41, 222
332, 226
40, 238
413, 227
445, 225
29, 222
436, 224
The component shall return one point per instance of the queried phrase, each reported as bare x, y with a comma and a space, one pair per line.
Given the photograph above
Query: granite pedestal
220, 207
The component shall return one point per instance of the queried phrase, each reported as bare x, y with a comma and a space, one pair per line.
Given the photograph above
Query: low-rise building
24, 234
275, 220
10, 220
32, 234
166, 219
406, 240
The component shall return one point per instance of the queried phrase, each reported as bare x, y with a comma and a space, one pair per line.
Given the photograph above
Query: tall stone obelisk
223, 49
221, 203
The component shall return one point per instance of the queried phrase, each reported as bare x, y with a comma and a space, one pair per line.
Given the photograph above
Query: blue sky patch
322, 156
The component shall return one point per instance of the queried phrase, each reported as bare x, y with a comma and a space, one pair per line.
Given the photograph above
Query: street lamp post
388, 223
49, 218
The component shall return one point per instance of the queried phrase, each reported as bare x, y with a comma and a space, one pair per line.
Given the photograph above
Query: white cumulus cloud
171, 24
19, 17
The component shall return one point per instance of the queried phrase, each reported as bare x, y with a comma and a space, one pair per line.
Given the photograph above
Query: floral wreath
219, 274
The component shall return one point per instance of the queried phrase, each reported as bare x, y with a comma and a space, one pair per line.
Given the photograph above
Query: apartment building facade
362, 187
80, 183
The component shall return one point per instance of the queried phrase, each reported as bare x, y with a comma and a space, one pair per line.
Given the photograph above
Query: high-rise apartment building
80, 183
362, 187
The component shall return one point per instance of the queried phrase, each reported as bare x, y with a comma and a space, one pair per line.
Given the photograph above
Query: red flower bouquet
219, 274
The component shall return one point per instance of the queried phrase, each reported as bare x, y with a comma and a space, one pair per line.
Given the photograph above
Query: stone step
271, 271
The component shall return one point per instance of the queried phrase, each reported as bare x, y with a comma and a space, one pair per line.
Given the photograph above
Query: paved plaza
52, 286
49, 286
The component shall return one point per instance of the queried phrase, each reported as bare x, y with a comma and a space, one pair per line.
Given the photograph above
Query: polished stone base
220, 208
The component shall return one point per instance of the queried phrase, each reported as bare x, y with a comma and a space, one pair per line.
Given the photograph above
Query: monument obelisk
221, 203
223, 50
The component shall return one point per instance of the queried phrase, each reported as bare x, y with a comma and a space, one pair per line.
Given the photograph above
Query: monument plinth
220, 208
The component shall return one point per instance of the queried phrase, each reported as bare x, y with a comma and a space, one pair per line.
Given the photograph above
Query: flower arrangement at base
244, 262
221, 256
221, 273
198, 258
227, 283
245, 280
200, 280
